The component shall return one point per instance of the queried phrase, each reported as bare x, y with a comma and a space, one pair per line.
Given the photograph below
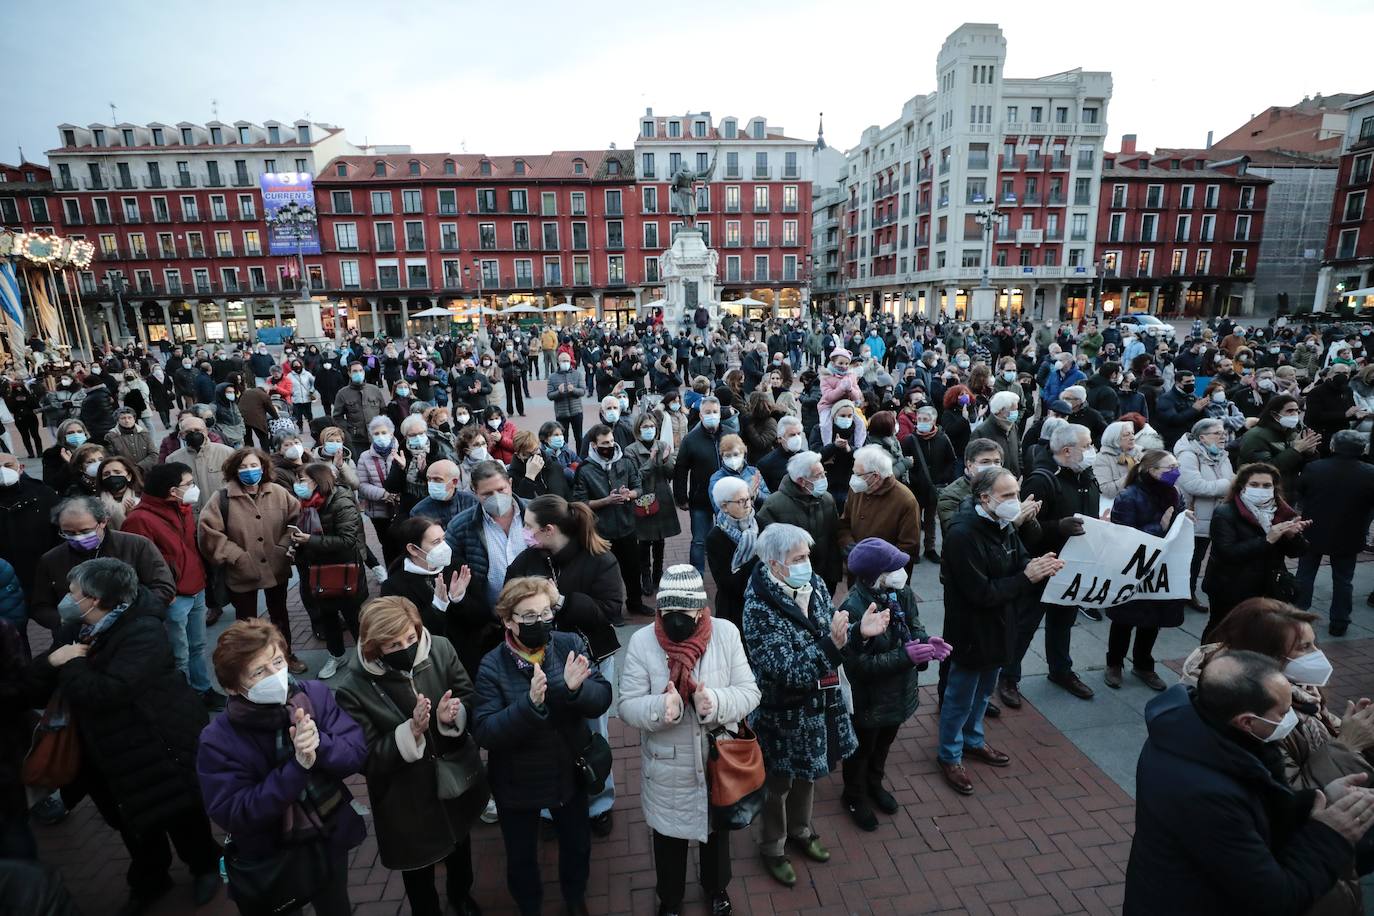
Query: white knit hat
681, 589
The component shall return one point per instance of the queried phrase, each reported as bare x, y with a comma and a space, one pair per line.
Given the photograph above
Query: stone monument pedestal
688, 270
982, 304
309, 325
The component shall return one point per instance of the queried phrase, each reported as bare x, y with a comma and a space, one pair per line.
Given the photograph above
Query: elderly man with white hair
730, 546
879, 506
791, 440
1076, 396
1004, 410
802, 500
614, 415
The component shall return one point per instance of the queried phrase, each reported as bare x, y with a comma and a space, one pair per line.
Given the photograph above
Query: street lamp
481, 293
989, 217
295, 220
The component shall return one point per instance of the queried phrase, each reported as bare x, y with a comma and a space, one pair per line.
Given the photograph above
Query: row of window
244, 133
1157, 197
1183, 227
131, 211
517, 200
241, 175
762, 168
1145, 266
729, 129
193, 246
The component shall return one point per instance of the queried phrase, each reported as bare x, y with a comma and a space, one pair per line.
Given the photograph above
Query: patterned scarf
744, 532
310, 513
90, 631
529, 658
683, 656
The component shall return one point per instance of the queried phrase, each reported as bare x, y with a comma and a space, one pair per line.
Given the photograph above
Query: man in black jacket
1065, 486
987, 573
1217, 828
1177, 409
1101, 388
1330, 405
697, 459
791, 440
1337, 494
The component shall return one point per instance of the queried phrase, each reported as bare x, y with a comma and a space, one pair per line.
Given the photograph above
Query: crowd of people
812, 463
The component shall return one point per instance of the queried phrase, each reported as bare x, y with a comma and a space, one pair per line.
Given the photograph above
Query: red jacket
170, 525
501, 444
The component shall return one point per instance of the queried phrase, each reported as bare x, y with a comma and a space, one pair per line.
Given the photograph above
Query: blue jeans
961, 714
186, 632
1342, 583
703, 520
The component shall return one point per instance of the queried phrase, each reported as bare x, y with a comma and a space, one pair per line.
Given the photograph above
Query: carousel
43, 320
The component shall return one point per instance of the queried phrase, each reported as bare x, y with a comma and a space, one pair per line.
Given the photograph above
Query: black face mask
535, 635
678, 625
195, 440
607, 453
116, 484
402, 659
1339, 380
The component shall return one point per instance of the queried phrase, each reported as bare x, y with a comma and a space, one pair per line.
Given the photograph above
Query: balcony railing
214, 181
175, 288
243, 181
155, 184
65, 184
125, 183
186, 181
95, 184
977, 162
1059, 163
762, 174
790, 173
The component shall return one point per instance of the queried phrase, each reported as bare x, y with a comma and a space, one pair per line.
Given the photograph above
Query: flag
10, 303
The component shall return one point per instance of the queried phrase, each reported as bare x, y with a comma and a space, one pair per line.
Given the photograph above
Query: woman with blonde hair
535, 693
121, 485
413, 698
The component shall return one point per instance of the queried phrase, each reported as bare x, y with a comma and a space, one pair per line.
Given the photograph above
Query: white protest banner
1108, 565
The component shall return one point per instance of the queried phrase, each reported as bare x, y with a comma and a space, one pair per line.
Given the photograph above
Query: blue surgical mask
819, 487
799, 574
844, 422
356, 377
557, 442
76, 440
647, 434
332, 448
250, 476
710, 420
438, 491
924, 427
1013, 416
301, 489
415, 443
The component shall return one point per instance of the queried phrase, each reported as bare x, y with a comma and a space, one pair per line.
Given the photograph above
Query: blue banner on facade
279, 189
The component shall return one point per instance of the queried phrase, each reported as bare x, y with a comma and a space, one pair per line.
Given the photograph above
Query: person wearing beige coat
250, 541
1204, 479
674, 745
1119, 452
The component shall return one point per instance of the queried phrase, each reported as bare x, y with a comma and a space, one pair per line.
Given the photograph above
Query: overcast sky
532, 76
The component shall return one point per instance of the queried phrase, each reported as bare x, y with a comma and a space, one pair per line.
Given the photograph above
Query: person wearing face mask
356, 406
1216, 748
543, 463
685, 676
1337, 495
879, 505
790, 440
1066, 488
420, 576
26, 523
654, 516
730, 546
275, 762
407, 689
84, 469
883, 668
329, 532
989, 577
1150, 502
567, 389
500, 433
332, 451
838, 383
446, 493
610, 483
942, 466
120, 483
836, 442
1253, 532
495, 379
98, 407
795, 639
1118, 455
1177, 409
290, 456
415, 451
245, 529
534, 695
1204, 480
379, 505
734, 463
1001, 426
130, 439
1219, 407
111, 664
1280, 439
398, 408
804, 500
1331, 406
184, 382
959, 410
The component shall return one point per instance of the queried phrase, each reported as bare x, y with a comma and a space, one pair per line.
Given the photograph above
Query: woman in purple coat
271, 772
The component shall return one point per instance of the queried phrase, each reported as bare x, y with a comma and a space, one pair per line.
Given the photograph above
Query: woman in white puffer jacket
1205, 475
683, 677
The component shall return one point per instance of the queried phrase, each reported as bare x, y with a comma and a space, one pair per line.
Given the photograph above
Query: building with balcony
828, 201
983, 155
1348, 258
1178, 232
405, 232
1315, 126
26, 198
755, 210
176, 215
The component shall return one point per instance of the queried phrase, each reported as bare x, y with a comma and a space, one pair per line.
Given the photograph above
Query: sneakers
1073, 684
490, 816
379, 573
1112, 676
862, 814
330, 667
1091, 613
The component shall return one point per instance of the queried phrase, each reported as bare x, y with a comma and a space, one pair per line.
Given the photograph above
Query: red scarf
683, 656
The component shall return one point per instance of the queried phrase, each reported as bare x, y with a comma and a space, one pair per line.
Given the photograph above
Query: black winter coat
882, 678
26, 527
1174, 415
419, 590
1102, 397
343, 540
98, 412
138, 720
773, 467
1217, 831
720, 555
592, 589
1242, 563
531, 749
1326, 409
941, 461
817, 516
697, 459
595, 481
1062, 493
1337, 494
982, 568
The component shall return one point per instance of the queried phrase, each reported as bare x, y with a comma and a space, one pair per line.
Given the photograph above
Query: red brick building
1178, 231
26, 198
1348, 262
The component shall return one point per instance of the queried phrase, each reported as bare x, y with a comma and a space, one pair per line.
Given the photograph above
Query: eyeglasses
546, 617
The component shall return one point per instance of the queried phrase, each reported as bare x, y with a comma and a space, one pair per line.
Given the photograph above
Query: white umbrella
747, 300
656, 304
438, 311
563, 307
523, 309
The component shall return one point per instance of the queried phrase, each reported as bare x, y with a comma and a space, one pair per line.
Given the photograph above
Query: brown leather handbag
334, 580
735, 777
54, 757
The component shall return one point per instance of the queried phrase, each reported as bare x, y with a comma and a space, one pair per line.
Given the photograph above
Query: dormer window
646, 129
449, 167
484, 168
760, 130
730, 129
245, 134
188, 137
519, 166
69, 138
157, 137
341, 170
699, 129
98, 137
414, 166
579, 167
128, 136
273, 134
216, 136
612, 166
303, 133
674, 128
379, 169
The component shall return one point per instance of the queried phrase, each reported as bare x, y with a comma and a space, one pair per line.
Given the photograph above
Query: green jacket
950, 499
1264, 444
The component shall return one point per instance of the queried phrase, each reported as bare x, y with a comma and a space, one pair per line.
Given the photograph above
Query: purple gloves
921, 653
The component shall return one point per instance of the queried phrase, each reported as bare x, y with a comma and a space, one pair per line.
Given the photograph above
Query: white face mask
1290, 422
857, 484
191, 496
1257, 496
294, 451
1313, 668
8, 477
733, 462
270, 691
1089, 456
895, 580
1007, 509
794, 443
91, 468
439, 555
478, 454
1281, 727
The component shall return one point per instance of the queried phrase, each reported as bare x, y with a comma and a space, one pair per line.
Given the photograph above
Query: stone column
1052, 301
1154, 300
376, 319
950, 298
195, 319
405, 316
276, 311
224, 320
596, 301
1323, 293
